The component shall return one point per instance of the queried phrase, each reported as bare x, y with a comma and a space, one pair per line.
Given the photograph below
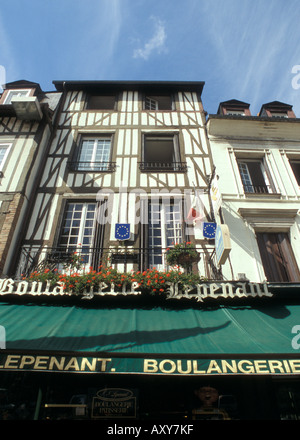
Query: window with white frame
158, 102
255, 176
16, 94
235, 112
81, 232
4, 151
94, 154
165, 228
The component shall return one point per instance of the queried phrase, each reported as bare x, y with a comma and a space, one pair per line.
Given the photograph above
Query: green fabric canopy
216, 330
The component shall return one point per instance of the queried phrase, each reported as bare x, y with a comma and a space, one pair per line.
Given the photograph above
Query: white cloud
156, 43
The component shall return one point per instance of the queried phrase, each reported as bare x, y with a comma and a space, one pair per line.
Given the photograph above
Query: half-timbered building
128, 153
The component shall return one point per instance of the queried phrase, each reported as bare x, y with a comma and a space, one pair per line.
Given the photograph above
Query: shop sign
222, 243
200, 292
114, 403
147, 366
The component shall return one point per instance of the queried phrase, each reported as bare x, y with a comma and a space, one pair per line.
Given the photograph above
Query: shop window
94, 154
277, 256
161, 153
255, 176
101, 102
295, 164
158, 102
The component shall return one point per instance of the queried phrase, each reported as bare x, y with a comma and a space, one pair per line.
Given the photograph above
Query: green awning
237, 331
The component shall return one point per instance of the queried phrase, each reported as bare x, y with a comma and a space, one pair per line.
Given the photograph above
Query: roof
22, 84
278, 104
130, 85
233, 103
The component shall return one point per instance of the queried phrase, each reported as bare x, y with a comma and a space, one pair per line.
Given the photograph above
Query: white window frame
14, 93
94, 166
280, 115
245, 174
7, 147
80, 247
235, 113
171, 229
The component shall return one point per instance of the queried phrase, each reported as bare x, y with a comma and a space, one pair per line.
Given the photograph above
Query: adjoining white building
257, 161
27, 115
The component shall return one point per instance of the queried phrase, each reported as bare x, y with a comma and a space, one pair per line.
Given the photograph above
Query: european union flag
209, 230
122, 231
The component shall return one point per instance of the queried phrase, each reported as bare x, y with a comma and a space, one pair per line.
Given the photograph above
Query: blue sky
241, 49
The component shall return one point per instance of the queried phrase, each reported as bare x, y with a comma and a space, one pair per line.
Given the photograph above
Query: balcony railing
97, 167
163, 166
36, 258
252, 189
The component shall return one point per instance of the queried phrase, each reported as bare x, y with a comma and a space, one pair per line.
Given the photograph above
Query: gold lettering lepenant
72, 364
103, 363
11, 360
86, 363
55, 363
41, 363
26, 360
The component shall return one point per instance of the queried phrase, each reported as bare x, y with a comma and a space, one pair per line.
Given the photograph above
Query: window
94, 155
255, 176
16, 94
161, 153
101, 102
165, 227
277, 257
4, 151
82, 232
295, 164
158, 102
235, 113
279, 114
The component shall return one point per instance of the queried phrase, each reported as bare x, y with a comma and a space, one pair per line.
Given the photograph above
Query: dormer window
235, 113
16, 94
279, 115
233, 107
277, 109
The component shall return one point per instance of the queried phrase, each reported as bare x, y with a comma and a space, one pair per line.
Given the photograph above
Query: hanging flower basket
182, 254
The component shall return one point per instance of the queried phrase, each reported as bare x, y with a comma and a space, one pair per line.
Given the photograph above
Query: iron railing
163, 166
37, 258
252, 189
92, 166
